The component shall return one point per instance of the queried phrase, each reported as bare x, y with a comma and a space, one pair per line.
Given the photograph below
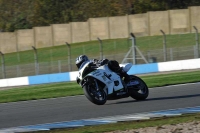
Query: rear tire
97, 97
139, 91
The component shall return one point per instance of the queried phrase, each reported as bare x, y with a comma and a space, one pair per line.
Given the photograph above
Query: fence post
133, 48
3, 65
101, 48
197, 41
148, 55
18, 71
115, 47
36, 60
59, 66
195, 51
171, 54
69, 56
164, 46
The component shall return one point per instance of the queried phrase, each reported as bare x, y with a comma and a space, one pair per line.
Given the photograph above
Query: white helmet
80, 60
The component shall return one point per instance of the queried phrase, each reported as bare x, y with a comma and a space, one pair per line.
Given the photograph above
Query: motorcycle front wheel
139, 91
96, 96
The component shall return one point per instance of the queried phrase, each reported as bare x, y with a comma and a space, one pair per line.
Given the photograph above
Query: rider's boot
125, 75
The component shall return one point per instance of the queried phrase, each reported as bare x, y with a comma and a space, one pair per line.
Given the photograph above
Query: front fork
97, 87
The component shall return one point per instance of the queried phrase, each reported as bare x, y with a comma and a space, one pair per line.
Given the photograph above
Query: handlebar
92, 65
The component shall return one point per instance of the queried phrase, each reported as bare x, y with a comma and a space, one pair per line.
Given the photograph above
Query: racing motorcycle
101, 84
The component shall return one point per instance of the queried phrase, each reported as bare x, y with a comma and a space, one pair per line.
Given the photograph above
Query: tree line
25, 14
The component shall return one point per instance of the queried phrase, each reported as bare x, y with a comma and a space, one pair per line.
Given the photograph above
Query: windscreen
83, 64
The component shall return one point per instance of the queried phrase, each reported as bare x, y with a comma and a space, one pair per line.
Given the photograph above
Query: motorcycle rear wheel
139, 91
97, 97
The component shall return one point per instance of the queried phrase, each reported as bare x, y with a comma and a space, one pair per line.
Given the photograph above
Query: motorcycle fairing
107, 77
126, 67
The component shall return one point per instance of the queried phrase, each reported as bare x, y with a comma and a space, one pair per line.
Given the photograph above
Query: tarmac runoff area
193, 127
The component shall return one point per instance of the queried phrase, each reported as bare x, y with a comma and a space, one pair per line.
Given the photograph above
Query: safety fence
62, 59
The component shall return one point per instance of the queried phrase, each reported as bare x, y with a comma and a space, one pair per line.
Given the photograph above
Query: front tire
139, 91
97, 97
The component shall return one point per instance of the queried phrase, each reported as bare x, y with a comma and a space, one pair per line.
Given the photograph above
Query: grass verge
72, 88
155, 122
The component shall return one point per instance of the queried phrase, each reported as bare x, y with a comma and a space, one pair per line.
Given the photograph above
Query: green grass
112, 46
40, 92
170, 79
72, 88
122, 126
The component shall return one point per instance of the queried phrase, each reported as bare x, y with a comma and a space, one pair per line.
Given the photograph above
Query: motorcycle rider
112, 64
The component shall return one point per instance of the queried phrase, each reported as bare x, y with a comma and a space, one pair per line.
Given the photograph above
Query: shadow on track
159, 98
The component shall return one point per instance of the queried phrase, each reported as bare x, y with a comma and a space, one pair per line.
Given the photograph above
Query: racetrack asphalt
78, 107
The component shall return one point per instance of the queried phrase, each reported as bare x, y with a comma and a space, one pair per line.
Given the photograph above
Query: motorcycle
101, 84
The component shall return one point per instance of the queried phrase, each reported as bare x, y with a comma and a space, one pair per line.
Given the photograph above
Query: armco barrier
14, 82
144, 68
71, 76
49, 78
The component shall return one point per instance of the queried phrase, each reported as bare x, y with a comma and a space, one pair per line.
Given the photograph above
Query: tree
11, 15
52, 11
85, 9
24, 14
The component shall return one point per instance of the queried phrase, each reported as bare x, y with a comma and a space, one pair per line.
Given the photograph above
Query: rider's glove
104, 61
78, 80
